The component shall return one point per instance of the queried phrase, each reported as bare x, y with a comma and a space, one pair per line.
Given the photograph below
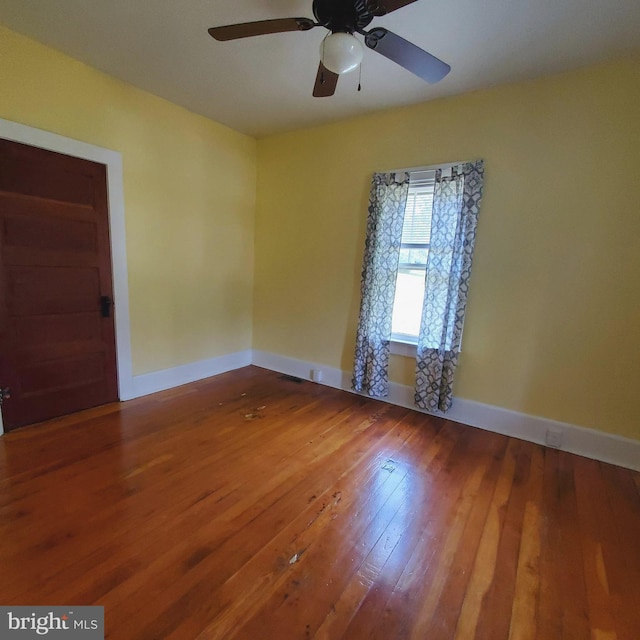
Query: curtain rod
431, 167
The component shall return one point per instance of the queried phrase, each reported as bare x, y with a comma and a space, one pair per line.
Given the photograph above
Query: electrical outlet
555, 438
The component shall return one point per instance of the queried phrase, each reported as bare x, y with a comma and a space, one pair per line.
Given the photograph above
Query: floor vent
292, 379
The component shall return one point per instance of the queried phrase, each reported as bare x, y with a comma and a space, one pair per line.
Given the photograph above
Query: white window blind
417, 217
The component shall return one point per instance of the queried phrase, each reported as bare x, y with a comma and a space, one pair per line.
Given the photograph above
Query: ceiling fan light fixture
341, 52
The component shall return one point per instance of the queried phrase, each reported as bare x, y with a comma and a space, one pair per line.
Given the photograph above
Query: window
417, 218
414, 251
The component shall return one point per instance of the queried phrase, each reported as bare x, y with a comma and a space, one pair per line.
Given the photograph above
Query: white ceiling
263, 85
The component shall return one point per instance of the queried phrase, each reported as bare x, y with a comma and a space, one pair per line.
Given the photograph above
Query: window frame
401, 343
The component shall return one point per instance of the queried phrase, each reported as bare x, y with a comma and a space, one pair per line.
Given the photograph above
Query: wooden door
57, 350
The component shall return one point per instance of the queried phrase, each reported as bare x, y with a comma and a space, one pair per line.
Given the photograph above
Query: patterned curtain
379, 271
456, 204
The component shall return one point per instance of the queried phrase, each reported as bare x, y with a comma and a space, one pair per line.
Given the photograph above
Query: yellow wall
190, 187
553, 320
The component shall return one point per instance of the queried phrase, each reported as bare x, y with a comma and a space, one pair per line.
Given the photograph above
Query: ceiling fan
341, 51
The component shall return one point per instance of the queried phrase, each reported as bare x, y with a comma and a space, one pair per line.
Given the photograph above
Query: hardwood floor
250, 506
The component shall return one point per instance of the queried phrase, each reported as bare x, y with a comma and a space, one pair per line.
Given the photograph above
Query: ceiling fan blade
387, 6
326, 83
260, 28
407, 54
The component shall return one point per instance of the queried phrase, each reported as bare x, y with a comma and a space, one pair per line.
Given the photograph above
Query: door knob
105, 306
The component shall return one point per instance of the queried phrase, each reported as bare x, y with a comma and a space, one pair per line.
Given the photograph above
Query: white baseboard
301, 369
168, 378
590, 443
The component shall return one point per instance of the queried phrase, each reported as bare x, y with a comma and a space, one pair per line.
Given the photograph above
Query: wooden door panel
62, 178
57, 352
20, 204
47, 377
40, 233
59, 402
47, 290
51, 337
37, 332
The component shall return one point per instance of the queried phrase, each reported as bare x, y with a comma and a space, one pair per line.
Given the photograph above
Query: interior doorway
114, 187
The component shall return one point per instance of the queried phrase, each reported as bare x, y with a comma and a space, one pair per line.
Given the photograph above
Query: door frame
117, 232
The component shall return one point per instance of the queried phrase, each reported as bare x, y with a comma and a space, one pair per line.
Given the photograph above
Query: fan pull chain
360, 77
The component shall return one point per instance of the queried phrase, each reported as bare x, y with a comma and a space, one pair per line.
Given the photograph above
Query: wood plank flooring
252, 506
